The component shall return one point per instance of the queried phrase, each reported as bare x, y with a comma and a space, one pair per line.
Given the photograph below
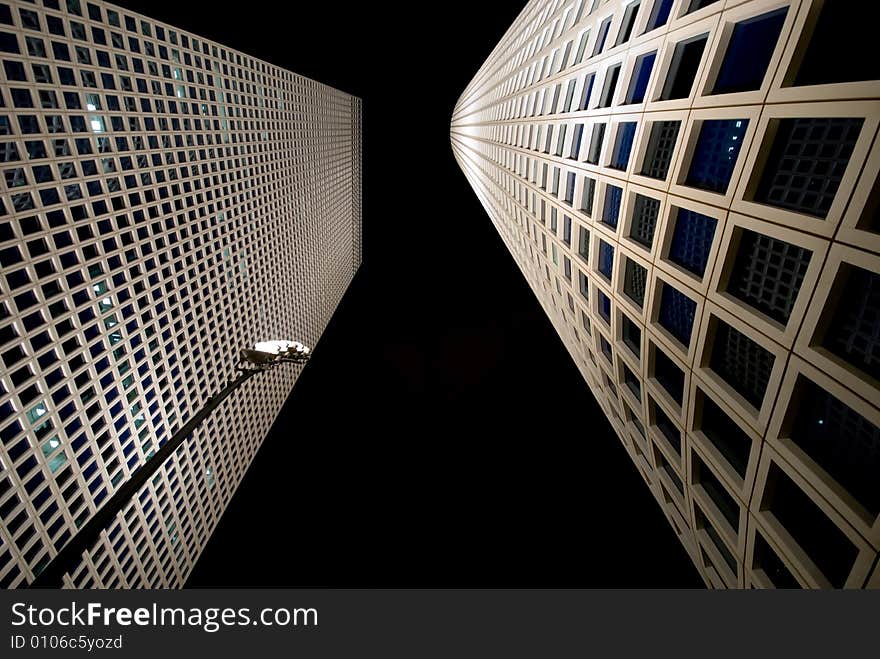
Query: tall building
166, 201
690, 188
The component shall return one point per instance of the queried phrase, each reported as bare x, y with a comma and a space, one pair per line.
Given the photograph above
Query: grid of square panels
160, 194
691, 190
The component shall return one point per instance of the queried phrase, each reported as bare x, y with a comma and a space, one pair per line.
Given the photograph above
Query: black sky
441, 435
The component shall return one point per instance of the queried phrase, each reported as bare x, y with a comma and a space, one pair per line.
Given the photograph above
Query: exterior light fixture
263, 356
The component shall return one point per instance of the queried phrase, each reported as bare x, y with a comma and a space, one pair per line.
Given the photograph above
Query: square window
839, 439
822, 541
692, 241
631, 335
718, 146
641, 76
677, 312
626, 132
659, 14
806, 164
669, 376
767, 274
683, 69
611, 209
606, 259
661, 148
635, 281
724, 434
748, 53
853, 330
741, 363
610, 86
644, 220
824, 61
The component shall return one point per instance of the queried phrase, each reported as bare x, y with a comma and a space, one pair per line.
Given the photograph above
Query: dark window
824, 543
596, 144
669, 376
584, 244
669, 430
683, 68
825, 61
635, 280
638, 85
644, 220
611, 210
704, 523
718, 493
588, 90
626, 133
839, 439
677, 313
748, 53
629, 20
606, 258
853, 332
631, 335
659, 14
610, 86
692, 241
725, 435
715, 154
741, 363
699, 4
767, 560
632, 383
604, 307
767, 274
806, 163
602, 36
589, 189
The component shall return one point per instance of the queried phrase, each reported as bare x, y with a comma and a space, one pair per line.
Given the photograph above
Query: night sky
441, 435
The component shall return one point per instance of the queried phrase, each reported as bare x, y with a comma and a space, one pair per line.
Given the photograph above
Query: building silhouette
166, 201
690, 189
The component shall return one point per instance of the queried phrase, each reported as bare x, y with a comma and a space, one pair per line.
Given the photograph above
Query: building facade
690, 188
166, 201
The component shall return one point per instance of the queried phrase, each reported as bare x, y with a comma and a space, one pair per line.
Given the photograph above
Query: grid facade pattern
749, 200
161, 195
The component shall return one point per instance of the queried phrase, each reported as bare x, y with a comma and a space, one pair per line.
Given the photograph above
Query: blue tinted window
748, 53
613, 198
677, 312
638, 86
659, 14
626, 132
588, 90
605, 307
715, 154
606, 258
692, 240
603, 35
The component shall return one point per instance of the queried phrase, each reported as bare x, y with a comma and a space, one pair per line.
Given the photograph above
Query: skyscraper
690, 188
166, 202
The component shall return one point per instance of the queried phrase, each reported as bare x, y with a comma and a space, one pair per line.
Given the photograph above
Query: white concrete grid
165, 201
595, 177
